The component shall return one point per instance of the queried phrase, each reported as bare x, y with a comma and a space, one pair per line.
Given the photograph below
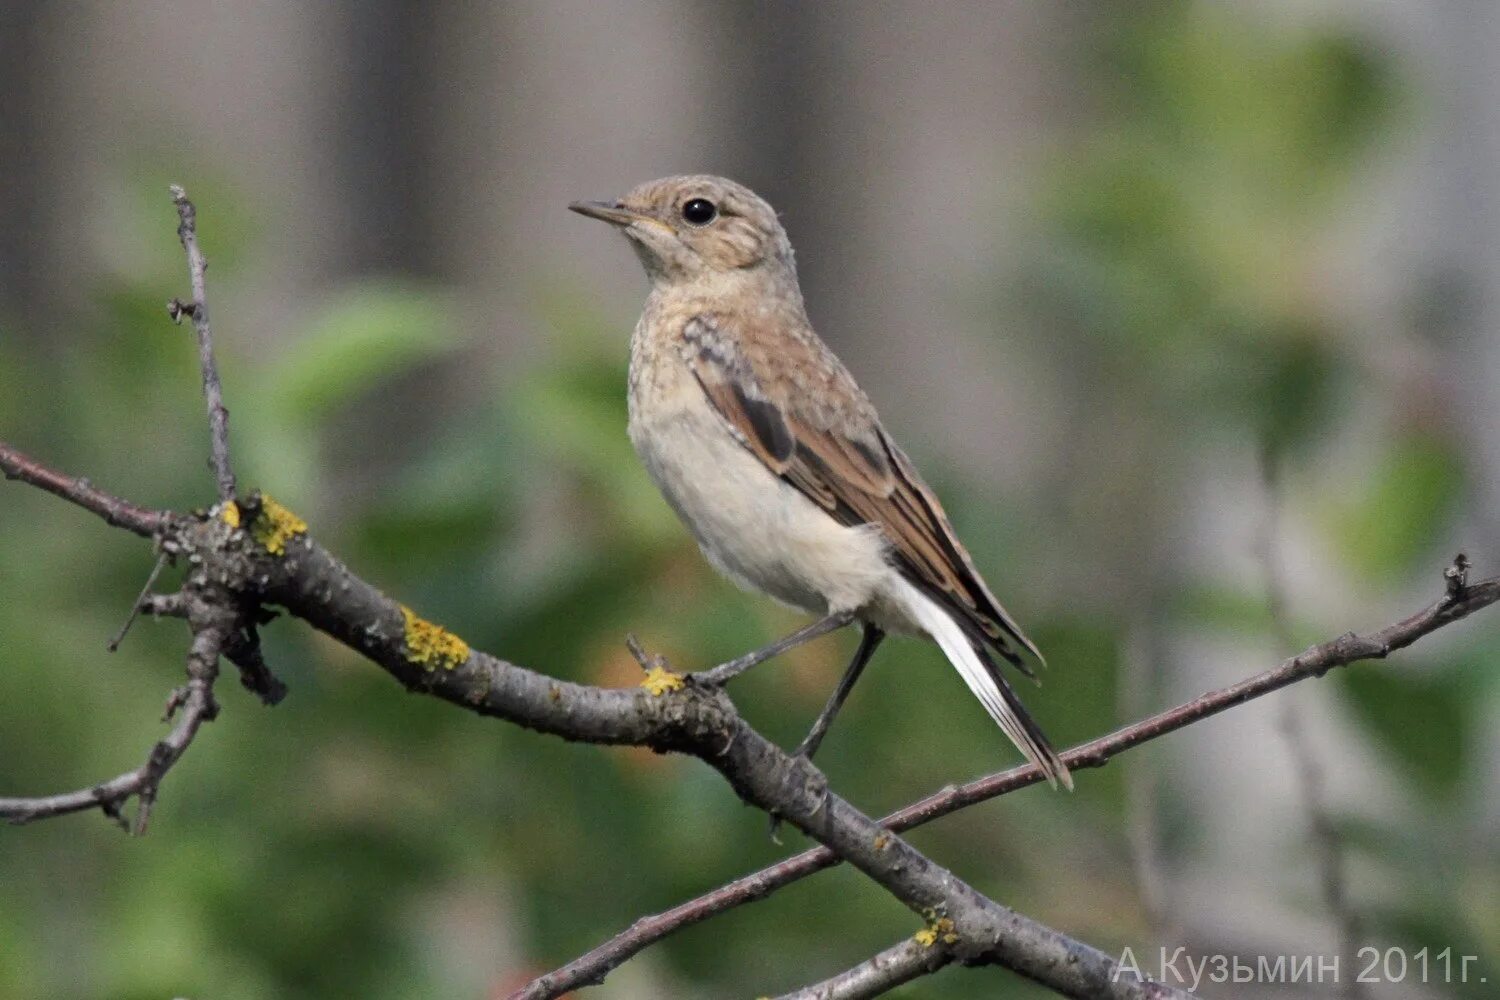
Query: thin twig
243, 647
140, 600
193, 705
1314, 662
213, 392
77, 490
896, 965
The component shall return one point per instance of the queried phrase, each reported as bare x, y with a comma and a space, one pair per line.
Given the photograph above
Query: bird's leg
725, 672
868, 643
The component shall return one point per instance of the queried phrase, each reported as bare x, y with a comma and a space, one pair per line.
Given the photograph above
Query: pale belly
755, 528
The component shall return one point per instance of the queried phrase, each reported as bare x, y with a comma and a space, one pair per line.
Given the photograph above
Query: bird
772, 455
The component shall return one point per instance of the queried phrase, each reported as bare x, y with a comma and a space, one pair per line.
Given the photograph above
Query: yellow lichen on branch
942, 929
430, 645
273, 526
660, 680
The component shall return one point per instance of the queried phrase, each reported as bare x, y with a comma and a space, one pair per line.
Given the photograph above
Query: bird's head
696, 226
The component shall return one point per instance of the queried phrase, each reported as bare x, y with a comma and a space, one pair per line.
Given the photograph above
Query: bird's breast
754, 527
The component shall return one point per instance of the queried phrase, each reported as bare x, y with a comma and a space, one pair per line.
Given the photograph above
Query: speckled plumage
772, 455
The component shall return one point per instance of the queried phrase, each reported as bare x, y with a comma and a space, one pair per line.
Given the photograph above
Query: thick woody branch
1460, 600
696, 719
254, 553
893, 967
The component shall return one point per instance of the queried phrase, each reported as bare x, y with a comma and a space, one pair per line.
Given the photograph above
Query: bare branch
221, 625
696, 719
896, 965
1457, 603
213, 393
193, 704
140, 601
699, 720
244, 556
244, 652
75, 489
261, 553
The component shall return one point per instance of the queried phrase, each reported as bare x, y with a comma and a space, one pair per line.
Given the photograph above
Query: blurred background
1189, 311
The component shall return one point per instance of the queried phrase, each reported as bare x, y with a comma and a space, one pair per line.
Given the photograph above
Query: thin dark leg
868, 643
728, 671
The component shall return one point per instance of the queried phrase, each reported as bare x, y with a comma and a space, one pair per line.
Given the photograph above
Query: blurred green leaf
1290, 388
361, 338
1384, 525
1424, 719
577, 414
1223, 608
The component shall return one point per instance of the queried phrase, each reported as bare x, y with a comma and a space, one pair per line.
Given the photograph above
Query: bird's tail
984, 678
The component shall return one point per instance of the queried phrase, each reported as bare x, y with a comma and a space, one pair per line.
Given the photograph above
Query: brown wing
826, 441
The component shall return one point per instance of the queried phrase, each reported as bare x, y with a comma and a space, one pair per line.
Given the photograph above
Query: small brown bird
774, 458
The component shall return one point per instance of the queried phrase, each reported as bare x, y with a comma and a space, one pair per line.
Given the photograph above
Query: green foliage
1425, 720
1400, 513
353, 345
365, 340
1184, 235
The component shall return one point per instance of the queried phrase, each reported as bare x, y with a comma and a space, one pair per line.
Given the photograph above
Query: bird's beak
607, 211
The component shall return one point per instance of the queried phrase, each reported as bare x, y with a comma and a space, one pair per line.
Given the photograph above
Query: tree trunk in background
24, 195
384, 111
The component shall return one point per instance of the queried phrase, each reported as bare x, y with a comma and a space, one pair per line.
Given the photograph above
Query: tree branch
220, 624
193, 704
213, 392
77, 490
245, 555
896, 965
257, 552
1460, 600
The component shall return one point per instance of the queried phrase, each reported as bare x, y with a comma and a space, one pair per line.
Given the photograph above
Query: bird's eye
699, 211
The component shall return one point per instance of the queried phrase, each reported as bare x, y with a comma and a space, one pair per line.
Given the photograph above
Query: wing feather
837, 455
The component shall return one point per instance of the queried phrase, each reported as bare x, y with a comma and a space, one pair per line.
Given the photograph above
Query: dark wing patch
766, 423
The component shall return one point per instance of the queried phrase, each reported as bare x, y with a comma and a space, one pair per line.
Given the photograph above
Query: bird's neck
755, 293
